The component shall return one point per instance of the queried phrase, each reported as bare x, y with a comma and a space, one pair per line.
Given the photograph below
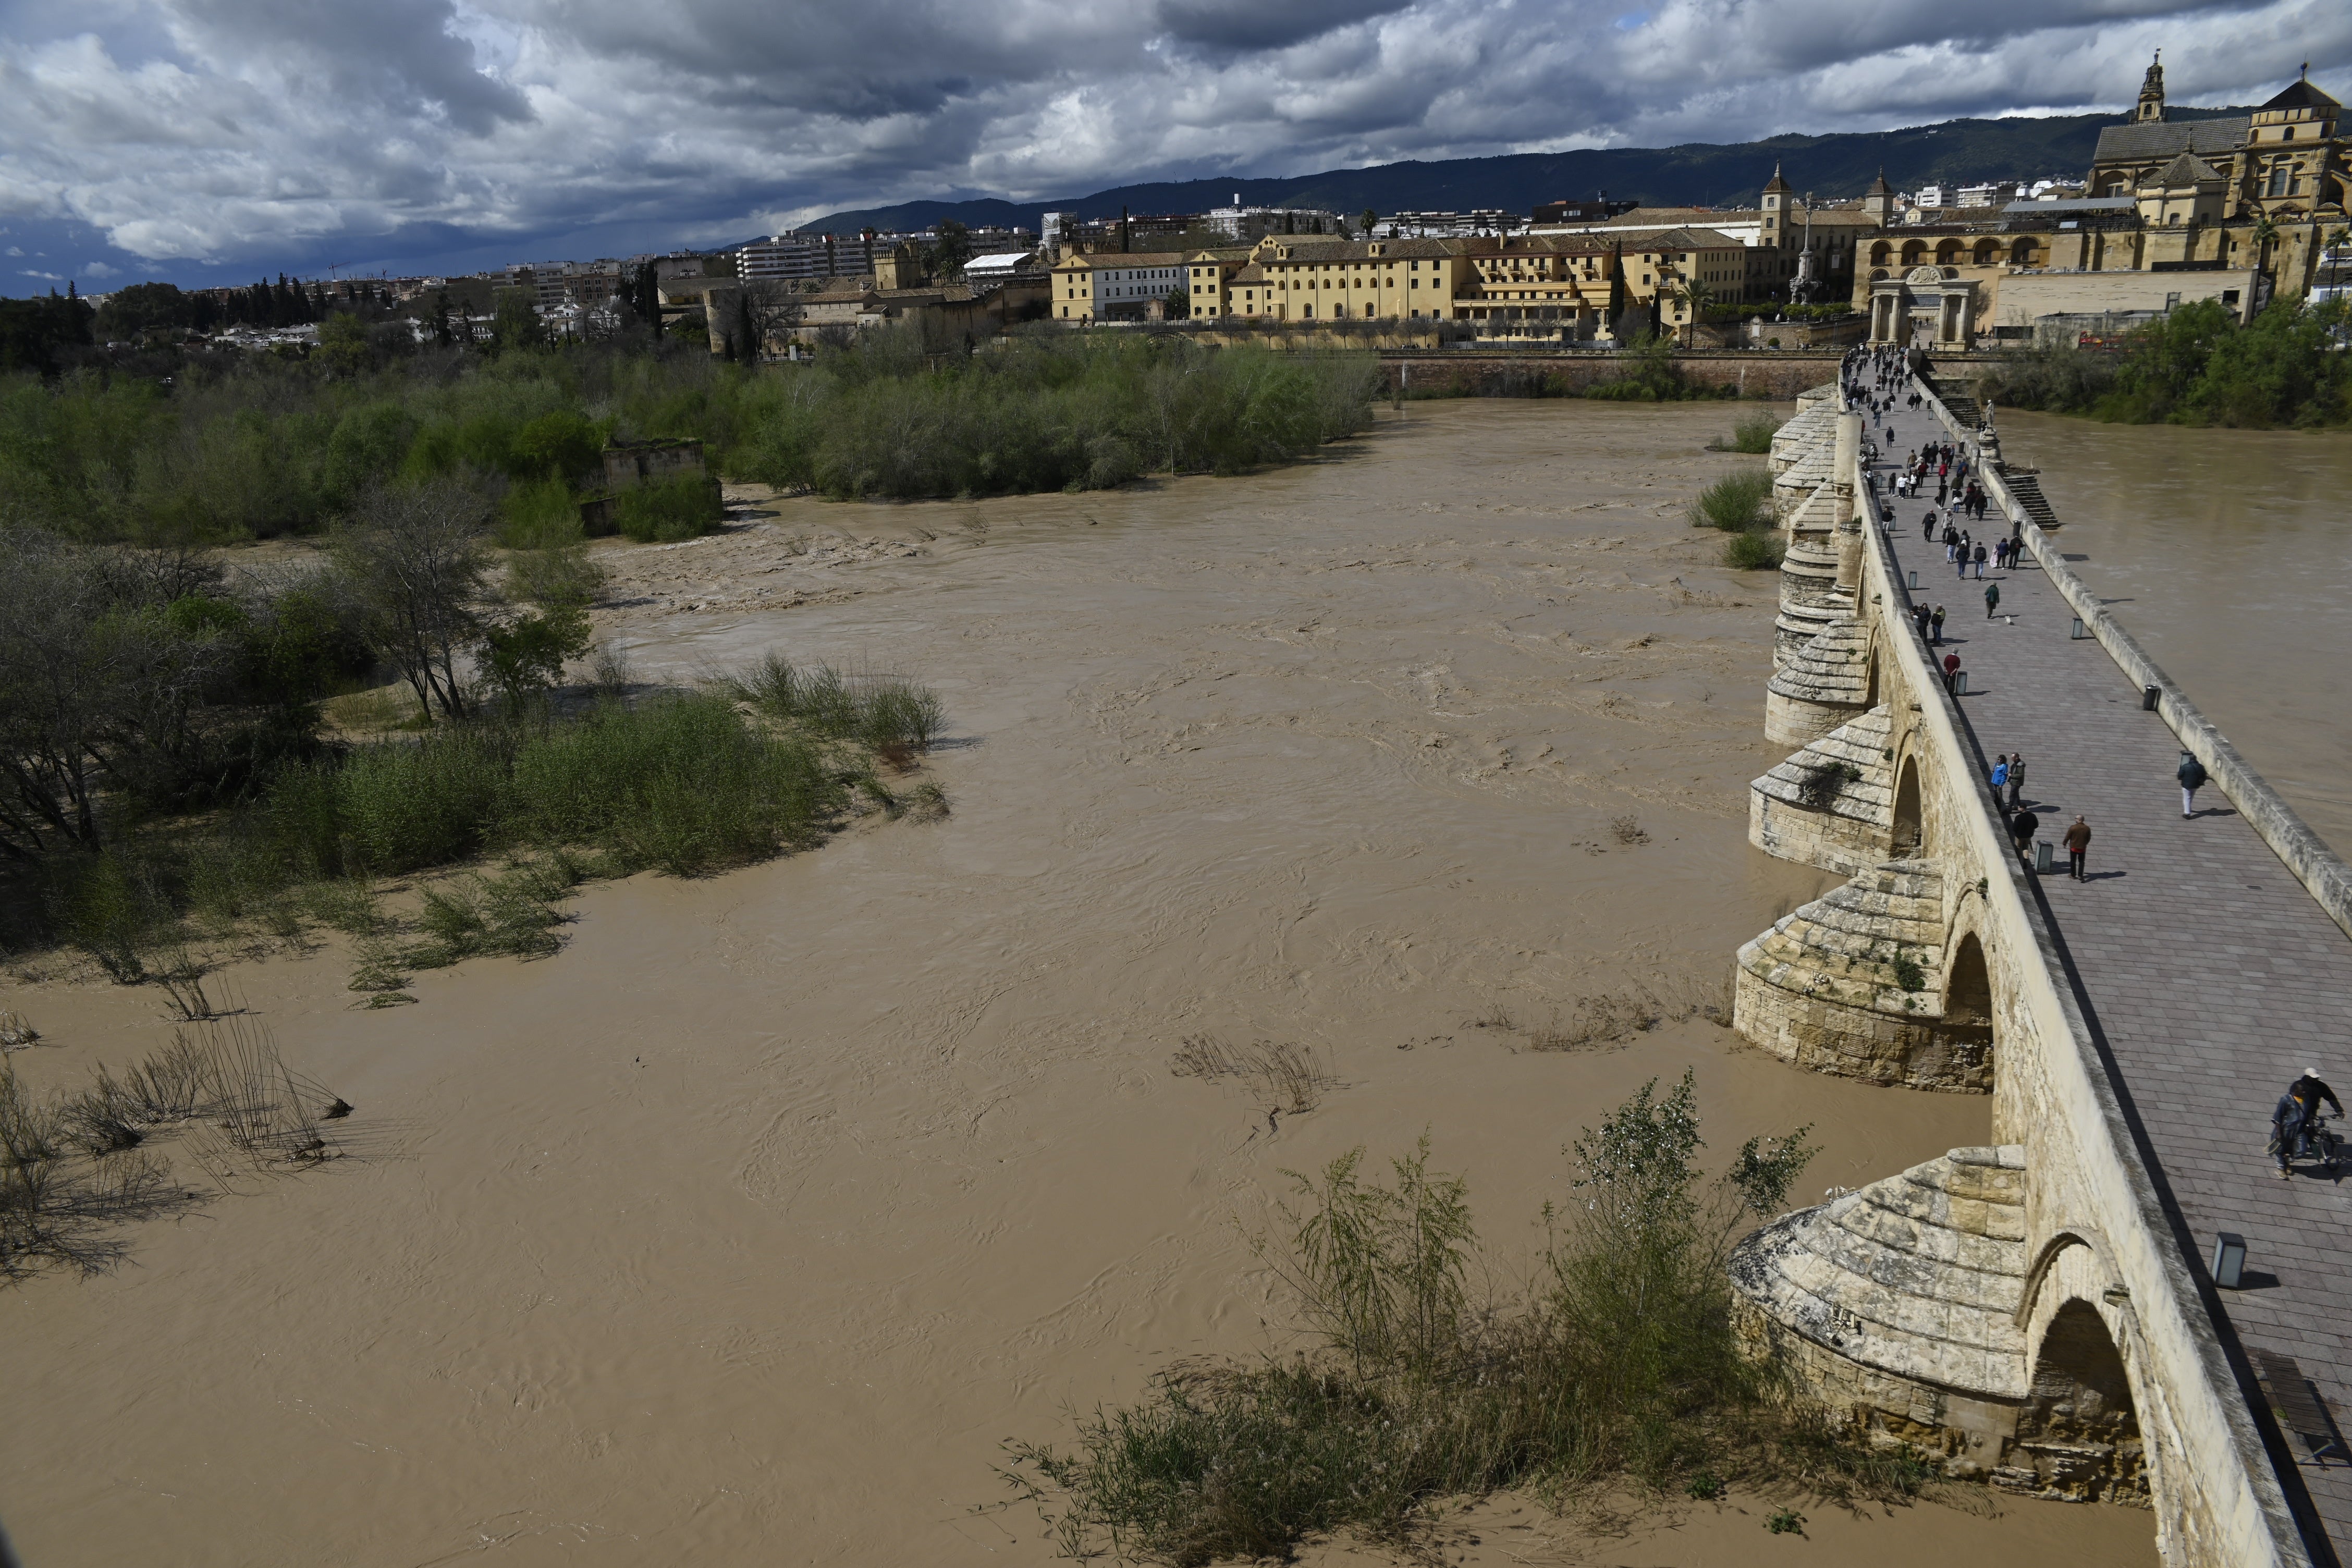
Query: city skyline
204, 140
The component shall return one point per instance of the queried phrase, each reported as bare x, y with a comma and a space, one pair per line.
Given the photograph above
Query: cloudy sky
209, 140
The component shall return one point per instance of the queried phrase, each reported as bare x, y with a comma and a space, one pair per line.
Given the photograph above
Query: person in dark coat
2191, 774
1937, 621
2016, 779
2021, 829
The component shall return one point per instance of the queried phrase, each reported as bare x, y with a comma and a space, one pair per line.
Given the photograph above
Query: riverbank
748, 1226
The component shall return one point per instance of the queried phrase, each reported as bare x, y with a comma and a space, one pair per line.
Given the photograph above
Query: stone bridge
2038, 1313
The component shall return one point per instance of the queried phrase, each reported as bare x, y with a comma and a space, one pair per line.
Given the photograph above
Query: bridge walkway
2210, 974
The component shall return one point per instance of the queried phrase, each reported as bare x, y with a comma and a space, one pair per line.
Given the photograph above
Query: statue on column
1805, 285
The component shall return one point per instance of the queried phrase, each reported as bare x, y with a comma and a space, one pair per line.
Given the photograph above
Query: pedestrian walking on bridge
2078, 845
2192, 776
1999, 774
1937, 621
1978, 555
2021, 829
1951, 672
2016, 780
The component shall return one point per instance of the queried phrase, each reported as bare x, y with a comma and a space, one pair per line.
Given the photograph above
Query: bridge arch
1984, 252
2092, 1422
1908, 835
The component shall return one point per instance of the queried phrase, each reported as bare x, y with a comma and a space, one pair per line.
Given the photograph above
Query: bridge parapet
1932, 968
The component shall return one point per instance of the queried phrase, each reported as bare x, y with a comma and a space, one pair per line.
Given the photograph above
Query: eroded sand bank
746, 1227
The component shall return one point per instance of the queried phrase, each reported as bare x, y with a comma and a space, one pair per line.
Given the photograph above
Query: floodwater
746, 1228
2228, 554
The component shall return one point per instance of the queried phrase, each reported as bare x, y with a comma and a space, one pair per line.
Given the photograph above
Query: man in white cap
2291, 1120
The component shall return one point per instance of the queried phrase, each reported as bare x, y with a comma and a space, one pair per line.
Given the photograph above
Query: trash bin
1913, 582
2148, 697
2043, 858
2078, 633
1959, 683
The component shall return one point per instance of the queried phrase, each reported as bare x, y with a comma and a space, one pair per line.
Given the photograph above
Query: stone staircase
1957, 398
1832, 803
1853, 984
2027, 491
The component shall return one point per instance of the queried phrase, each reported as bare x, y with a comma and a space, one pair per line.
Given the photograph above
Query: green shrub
1753, 434
406, 804
1736, 502
543, 515
683, 508
681, 784
1755, 550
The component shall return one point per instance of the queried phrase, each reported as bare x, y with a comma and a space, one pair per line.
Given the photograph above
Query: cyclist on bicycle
2298, 1108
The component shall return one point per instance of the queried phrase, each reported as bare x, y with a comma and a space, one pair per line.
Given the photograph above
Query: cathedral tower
2151, 93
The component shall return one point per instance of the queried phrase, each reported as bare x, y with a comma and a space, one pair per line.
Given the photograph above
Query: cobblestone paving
2212, 974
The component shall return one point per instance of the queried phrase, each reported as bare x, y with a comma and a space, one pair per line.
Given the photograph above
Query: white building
1999, 194
999, 268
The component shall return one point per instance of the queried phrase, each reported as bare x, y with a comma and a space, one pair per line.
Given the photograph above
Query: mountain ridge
1836, 167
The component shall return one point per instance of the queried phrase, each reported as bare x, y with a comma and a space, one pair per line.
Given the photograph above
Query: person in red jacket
1951, 670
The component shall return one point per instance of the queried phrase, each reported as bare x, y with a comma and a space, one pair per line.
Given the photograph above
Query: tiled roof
2302, 95
2165, 138
2187, 169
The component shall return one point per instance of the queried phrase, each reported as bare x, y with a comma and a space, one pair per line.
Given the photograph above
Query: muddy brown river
747, 1227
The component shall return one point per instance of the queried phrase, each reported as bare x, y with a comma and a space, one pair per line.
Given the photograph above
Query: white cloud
242, 130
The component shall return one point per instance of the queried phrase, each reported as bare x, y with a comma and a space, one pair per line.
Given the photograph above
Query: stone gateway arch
2023, 1312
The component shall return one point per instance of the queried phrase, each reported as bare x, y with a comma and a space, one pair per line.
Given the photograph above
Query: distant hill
1697, 173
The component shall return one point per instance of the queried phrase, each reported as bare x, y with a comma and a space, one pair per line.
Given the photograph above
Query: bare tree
413, 560
754, 314
99, 686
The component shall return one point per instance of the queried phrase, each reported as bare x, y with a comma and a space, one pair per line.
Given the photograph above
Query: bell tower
2151, 93
1776, 211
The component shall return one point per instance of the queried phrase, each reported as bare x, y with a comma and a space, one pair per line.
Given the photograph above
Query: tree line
2198, 365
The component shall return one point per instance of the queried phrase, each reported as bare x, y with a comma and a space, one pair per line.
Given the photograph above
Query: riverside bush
252, 447
1621, 1362
1752, 435
683, 508
2197, 366
685, 784
1754, 550
1733, 502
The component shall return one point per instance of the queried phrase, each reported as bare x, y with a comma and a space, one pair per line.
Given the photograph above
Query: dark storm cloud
231, 129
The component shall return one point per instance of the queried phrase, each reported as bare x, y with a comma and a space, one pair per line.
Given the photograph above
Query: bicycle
2321, 1139
2318, 1140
